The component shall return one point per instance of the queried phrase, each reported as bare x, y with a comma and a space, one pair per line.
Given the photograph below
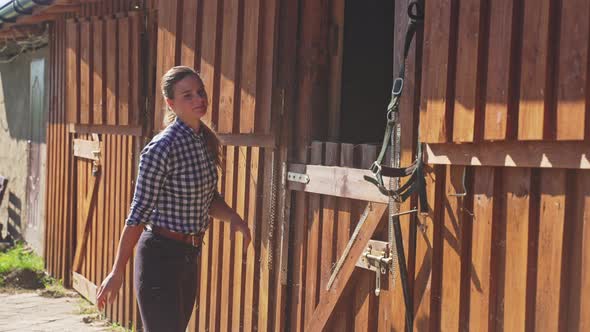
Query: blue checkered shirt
176, 183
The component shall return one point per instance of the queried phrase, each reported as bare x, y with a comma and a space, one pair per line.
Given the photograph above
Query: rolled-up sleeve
150, 178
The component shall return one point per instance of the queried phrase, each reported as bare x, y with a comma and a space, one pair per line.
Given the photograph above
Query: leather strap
194, 240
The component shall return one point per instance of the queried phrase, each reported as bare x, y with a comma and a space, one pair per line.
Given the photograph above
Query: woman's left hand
238, 224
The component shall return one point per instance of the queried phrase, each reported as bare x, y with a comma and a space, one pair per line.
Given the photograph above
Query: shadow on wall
14, 216
21, 98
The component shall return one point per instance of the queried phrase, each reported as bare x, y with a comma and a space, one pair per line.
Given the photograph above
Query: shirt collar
188, 130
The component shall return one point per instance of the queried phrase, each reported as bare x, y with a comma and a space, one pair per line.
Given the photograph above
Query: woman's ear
170, 103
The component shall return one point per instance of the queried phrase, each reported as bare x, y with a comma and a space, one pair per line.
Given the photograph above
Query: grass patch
19, 257
86, 308
21, 267
54, 288
116, 327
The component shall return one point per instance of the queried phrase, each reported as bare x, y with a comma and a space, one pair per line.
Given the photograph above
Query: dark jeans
165, 280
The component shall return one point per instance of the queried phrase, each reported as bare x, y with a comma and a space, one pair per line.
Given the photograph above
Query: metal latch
298, 177
96, 163
376, 258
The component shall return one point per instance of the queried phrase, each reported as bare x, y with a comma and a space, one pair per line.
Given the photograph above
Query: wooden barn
495, 92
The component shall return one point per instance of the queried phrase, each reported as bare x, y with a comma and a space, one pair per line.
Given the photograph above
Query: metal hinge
297, 177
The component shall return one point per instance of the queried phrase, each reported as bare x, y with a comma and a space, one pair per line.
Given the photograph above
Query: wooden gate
105, 115
332, 205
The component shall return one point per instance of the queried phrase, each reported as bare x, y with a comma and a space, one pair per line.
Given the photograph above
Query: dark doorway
367, 69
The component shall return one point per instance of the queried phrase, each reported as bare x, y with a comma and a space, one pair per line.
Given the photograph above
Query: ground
38, 311
30, 300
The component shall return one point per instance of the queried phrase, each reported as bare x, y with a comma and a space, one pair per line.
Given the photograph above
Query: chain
393, 206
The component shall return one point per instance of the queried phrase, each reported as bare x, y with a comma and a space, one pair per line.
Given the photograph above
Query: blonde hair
169, 80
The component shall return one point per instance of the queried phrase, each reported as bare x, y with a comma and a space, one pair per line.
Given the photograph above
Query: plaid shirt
176, 182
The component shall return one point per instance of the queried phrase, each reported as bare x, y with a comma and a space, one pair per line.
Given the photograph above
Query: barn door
88, 174
104, 98
339, 220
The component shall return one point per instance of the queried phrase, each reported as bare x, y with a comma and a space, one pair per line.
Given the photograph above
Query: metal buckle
392, 116
398, 86
377, 167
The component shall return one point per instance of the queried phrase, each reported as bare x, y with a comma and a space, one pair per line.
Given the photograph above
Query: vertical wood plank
433, 111
229, 70
135, 59
313, 241
424, 283
265, 318
299, 255
98, 72
85, 72
227, 285
249, 68
123, 71
578, 279
119, 214
72, 71
252, 254
209, 62
189, 32
336, 48
167, 26
239, 259
365, 303
111, 71
468, 79
266, 55
128, 164
217, 234
106, 169
205, 281
62, 202
452, 247
573, 71
511, 296
483, 217
499, 84
328, 221
550, 250
531, 116
343, 320
112, 220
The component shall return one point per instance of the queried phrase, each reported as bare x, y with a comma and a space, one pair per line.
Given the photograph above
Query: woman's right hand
109, 289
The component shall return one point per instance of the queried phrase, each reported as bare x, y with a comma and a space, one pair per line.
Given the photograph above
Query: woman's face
190, 99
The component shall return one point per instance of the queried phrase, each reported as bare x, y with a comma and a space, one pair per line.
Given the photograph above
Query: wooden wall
509, 253
233, 45
58, 228
502, 256
97, 86
104, 60
506, 70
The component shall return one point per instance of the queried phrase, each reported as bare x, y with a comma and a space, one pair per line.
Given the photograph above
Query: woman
175, 196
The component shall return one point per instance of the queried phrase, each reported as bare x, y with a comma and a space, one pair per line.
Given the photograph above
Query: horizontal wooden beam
84, 286
20, 32
106, 129
263, 141
574, 155
337, 181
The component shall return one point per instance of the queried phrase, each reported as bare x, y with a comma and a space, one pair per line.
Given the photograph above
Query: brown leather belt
194, 240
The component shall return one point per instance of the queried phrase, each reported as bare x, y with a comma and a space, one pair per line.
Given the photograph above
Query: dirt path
29, 311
